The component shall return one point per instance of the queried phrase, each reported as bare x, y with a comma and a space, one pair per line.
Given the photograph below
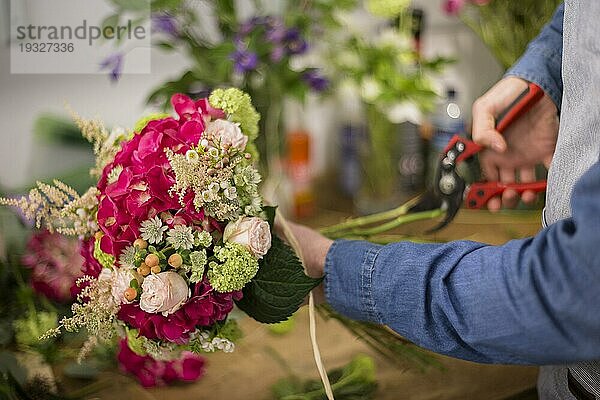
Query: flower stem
338, 229
401, 220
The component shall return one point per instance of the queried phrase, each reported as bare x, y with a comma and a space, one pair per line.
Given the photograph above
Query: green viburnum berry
105, 259
142, 122
238, 106
198, 260
237, 267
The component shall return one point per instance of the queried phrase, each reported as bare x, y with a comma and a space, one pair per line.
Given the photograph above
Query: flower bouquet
174, 233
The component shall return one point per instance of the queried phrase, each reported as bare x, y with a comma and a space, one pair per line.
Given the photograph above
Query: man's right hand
529, 141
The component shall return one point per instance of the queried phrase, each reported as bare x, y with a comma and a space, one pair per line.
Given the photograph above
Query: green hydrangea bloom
142, 122
237, 267
387, 8
198, 260
29, 329
105, 259
238, 106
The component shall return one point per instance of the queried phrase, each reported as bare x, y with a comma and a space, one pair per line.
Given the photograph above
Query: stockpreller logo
63, 37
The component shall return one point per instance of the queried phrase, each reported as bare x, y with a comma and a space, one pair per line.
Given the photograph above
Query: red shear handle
519, 106
523, 103
481, 192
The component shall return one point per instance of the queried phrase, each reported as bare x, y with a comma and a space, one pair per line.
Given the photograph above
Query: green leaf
134, 284
56, 128
279, 287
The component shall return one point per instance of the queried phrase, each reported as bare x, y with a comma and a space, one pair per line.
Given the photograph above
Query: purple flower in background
114, 63
295, 43
315, 80
244, 60
275, 31
246, 28
165, 23
277, 53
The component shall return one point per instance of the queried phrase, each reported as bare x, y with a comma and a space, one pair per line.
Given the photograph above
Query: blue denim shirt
541, 63
529, 301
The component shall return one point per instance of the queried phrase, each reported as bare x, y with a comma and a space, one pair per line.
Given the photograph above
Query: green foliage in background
506, 27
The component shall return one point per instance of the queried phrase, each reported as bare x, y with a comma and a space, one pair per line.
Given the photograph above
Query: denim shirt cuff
541, 66
349, 271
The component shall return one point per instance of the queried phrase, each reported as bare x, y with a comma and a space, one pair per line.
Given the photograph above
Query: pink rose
121, 280
204, 308
252, 232
163, 293
226, 133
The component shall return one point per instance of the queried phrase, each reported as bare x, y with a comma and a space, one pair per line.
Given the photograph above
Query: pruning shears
450, 189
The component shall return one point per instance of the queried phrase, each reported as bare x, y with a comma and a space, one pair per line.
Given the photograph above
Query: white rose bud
121, 278
252, 232
163, 293
227, 134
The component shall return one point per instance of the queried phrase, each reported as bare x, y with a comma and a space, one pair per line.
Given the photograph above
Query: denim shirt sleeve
529, 301
541, 62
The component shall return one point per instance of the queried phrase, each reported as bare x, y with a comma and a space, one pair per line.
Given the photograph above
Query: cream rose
226, 133
163, 293
121, 278
252, 232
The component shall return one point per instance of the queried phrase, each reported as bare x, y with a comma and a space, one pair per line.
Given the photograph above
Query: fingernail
498, 146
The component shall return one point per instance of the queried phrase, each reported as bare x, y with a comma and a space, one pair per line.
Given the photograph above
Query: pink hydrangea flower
150, 372
141, 190
55, 264
204, 308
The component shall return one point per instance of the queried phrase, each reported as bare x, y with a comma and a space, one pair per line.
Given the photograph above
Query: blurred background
357, 99
24, 97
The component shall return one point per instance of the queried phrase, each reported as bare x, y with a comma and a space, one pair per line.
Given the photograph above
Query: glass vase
379, 156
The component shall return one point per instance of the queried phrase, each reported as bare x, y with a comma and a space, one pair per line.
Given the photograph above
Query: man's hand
314, 248
529, 141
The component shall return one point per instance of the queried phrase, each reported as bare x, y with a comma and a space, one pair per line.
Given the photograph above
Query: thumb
484, 132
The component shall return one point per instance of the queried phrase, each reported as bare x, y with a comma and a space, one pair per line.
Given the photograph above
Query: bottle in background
447, 122
300, 175
411, 161
352, 137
